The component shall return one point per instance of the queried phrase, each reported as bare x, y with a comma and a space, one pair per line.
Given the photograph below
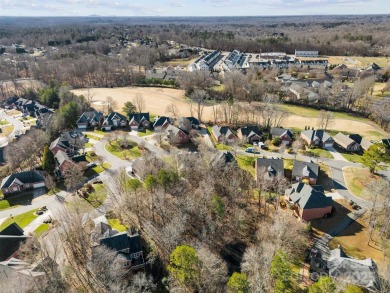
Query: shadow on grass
25, 198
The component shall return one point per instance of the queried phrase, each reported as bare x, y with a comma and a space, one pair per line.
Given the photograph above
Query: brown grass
354, 241
6, 130
157, 99
13, 113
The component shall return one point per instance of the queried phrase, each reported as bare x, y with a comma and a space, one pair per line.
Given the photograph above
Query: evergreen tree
184, 265
48, 161
238, 283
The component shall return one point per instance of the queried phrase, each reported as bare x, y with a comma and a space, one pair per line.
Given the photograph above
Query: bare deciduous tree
139, 102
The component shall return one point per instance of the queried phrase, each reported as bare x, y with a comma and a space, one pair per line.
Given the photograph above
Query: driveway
151, 147
336, 155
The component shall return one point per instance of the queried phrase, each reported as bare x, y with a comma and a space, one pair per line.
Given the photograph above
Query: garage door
42, 184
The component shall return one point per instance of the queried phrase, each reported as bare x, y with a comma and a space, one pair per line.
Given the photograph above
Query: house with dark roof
63, 162
176, 135
68, 142
364, 143
346, 143
114, 119
363, 273
128, 247
250, 134
195, 124
18, 182
318, 138
222, 159
90, 119
11, 238
307, 171
139, 121
161, 123
285, 135
223, 134
27, 275
269, 168
308, 202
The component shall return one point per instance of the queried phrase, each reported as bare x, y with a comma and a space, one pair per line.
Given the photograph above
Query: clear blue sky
190, 7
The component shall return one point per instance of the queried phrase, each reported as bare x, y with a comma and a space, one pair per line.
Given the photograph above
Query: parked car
251, 150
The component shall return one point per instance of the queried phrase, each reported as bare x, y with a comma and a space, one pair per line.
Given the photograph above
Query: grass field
357, 179
4, 204
247, 164
98, 196
4, 122
6, 130
178, 62
97, 169
319, 153
124, 154
41, 229
93, 137
116, 224
361, 62
22, 220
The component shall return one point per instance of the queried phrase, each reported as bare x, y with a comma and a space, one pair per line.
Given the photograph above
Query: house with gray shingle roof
128, 247
249, 133
22, 181
161, 123
285, 135
305, 171
308, 202
90, 119
364, 143
269, 168
223, 134
176, 135
114, 119
317, 137
346, 143
139, 121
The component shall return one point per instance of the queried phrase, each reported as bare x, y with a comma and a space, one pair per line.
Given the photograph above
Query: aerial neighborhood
259, 163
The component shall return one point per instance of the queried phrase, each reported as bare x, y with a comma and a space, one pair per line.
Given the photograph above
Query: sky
190, 7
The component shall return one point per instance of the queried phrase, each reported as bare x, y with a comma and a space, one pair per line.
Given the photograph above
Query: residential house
15, 271
128, 247
346, 143
161, 123
68, 142
11, 238
285, 135
309, 202
250, 134
307, 171
18, 182
139, 121
235, 60
222, 159
206, 62
269, 168
141, 167
90, 119
223, 134
363, 273
195, 124
364, 143
63, 162
114, 119
319, 138
176, 136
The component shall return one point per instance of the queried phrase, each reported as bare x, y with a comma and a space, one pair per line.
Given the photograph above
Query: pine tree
48, 161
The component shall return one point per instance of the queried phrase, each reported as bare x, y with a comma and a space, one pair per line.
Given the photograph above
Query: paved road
18, 127
50, 201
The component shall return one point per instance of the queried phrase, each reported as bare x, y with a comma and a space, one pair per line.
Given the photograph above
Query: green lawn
100, 132
97, 169
147, 132
88, 145
93, 137
91, 156
246, 163
124, 154
4, 122
116, 224
98, 196
41, 229
22, 220
356, 180
352, 157
4, 204
319, 153
223, 147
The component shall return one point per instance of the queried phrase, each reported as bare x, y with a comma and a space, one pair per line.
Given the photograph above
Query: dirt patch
6, 130
14, 113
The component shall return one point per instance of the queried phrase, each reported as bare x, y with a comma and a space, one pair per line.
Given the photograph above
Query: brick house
223, 134
22, 181
305, 171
